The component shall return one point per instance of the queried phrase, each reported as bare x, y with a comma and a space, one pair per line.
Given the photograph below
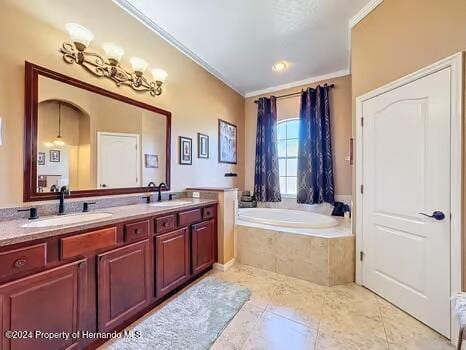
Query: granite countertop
212, 189
12, 232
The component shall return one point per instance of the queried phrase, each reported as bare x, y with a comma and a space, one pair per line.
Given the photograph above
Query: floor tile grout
382, 318
254, 327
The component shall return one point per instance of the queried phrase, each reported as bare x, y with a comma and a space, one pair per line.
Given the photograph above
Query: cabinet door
172, 260
203, 246
124, 283
49, 301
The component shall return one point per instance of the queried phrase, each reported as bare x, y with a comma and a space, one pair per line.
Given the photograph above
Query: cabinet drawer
23, 259
208, 213
165, 224
136, 231
86, 243
189, 217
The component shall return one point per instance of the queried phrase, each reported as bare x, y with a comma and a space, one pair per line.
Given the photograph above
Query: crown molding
363, 13
366, 10
141, 17
293, 84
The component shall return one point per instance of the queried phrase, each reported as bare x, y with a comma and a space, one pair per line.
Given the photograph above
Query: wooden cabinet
124, 284
23, 260
171, 260
118, 272
203, 246
49, 301
88, 243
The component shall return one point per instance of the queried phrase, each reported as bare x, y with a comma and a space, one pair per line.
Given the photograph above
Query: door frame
455, 63
98, 160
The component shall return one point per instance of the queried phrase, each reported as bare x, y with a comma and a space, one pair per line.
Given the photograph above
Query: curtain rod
298, 93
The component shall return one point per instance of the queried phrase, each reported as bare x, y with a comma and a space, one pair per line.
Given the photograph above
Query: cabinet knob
165, 224
82, 265
20, 263
138, 231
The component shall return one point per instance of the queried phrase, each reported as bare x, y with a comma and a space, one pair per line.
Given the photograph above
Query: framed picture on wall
202, 146
151, 161
227, 142
186, 150
41, 158
55, 156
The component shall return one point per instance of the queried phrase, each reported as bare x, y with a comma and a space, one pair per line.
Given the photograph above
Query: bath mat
192, 321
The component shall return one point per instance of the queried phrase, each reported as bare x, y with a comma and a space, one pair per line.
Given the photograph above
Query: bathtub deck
322, 256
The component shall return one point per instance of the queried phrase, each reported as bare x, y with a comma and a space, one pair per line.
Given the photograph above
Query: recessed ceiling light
279, 66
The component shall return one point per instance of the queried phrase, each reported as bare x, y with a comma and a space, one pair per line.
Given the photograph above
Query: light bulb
59, 141
80, 36
139, 65
113, 52
279, 66
159, 74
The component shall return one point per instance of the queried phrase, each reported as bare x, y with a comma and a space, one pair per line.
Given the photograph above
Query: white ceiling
239, 40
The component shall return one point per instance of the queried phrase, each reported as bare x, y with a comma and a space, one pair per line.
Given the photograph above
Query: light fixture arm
98, 66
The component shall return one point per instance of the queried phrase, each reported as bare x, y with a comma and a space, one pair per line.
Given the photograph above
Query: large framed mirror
91, 140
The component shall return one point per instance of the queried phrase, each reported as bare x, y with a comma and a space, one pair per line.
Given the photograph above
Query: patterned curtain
266, 178
315, 159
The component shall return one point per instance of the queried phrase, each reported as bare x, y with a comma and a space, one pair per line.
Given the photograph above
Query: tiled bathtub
323, 256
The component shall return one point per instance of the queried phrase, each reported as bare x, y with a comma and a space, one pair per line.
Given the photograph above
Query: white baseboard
226, 266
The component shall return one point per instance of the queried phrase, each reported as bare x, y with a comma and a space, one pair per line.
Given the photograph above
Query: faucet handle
86, 206
32, 213
147, 198
65, 190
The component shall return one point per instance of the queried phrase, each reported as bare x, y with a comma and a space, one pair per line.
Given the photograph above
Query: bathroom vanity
99, 276
67, 281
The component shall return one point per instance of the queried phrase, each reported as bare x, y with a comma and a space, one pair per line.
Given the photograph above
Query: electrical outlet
196, 195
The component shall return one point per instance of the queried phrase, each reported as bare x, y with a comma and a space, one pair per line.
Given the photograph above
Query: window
287, 137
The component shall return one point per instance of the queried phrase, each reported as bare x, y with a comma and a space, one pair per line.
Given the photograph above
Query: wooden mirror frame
30, 194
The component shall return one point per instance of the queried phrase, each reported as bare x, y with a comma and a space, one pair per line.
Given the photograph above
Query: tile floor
288, 313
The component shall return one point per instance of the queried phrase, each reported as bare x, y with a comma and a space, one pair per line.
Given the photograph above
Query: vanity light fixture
109, 67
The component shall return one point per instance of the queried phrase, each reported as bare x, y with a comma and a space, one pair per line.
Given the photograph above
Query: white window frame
283, 121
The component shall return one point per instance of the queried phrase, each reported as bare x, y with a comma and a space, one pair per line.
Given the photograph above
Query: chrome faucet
159, 191
64, 191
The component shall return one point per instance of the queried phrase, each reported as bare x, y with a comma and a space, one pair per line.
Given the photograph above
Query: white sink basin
169, 203
67, 220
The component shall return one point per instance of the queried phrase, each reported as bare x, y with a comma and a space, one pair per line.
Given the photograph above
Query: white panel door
406, 172
118, 160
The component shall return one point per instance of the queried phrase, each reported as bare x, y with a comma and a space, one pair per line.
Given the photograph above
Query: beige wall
340, 105
400, 37
195, 98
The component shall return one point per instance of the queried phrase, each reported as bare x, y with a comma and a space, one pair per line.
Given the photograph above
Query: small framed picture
41, 158
151, 160
227, 140
55, 156
202, 145
186, 150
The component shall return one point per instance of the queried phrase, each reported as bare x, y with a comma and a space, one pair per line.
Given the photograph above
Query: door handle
437, 215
